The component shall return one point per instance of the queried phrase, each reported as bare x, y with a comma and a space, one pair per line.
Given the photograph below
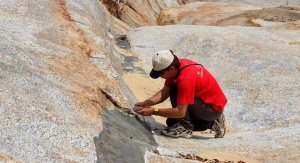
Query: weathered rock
120, 27
124, 138
132, 18
288, 26
136, 13
143, 8
272, 16
224, 14
58, 70
200, 13
170, 3
113, 6
156, 6
263, 3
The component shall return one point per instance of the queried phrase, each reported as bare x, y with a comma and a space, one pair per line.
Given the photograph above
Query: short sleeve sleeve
186, 92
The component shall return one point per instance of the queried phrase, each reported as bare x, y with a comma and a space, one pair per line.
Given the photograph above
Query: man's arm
157, 98
178, 112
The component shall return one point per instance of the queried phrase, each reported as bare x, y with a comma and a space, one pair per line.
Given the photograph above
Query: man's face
169, 73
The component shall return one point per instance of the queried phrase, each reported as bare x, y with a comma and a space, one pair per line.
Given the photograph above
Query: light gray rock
58, 70
170, 3
257, 68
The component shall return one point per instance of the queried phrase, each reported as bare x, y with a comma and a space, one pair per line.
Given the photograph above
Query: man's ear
172, 68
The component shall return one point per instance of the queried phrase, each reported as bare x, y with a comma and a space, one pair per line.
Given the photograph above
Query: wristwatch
155, 111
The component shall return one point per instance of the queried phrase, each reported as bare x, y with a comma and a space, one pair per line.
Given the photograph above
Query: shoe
219, 127
176, 131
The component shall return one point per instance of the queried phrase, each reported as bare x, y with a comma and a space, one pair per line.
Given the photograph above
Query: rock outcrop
198, 12
135, 13
263, 3
58, 70
224, 14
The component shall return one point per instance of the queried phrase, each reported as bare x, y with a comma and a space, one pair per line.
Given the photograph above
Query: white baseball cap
160, 62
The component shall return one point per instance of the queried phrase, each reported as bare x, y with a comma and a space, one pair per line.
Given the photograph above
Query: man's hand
146, 111
141, 104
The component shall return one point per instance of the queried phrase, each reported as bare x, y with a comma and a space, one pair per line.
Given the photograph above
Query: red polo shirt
196, 81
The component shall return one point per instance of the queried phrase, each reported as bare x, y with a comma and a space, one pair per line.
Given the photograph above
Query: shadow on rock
123, 139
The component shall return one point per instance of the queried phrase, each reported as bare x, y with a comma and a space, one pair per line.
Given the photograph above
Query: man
196, 98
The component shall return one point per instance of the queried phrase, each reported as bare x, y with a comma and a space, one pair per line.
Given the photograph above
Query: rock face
224, 14
136, 13
58, 70
200, 12
264, 3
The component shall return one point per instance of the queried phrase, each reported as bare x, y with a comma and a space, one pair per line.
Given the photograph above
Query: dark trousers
199, 116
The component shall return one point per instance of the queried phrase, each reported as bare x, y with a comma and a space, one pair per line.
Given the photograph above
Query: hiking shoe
219, 127
176, 131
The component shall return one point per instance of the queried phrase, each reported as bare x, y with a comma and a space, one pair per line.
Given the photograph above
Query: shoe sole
177, 136
223, 134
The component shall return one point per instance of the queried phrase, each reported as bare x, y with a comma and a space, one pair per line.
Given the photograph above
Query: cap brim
156, 74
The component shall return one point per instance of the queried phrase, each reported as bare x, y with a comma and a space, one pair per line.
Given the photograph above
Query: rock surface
136, 13
58, 70
124, 139
224, 14
264, 3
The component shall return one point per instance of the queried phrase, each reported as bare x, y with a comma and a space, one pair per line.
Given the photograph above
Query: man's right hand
141, 104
